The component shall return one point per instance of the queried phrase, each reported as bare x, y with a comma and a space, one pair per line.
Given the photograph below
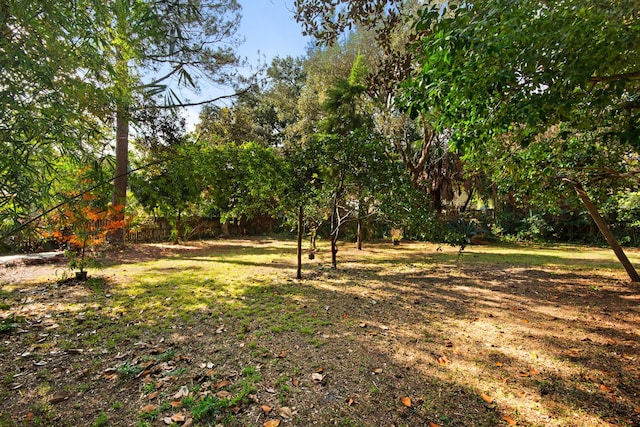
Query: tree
84, 65
171, 178
52, 98
499, 74
352, 152
152, 45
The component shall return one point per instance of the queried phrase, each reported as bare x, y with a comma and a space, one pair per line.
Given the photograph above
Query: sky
268, 26
269, 30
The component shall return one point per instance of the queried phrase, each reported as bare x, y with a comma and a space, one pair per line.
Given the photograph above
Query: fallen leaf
223, 394
533, 355
377, 371
285, 412
282, 355
176, 403
432, 424
266, 409
60, 397
188, 422
349, 401
486, 398
178, 418
152, 396
295, 382
406, 401
636, 409
448, 344
524, 374
29, 417
605, 388
442, 360
317, 377
167, 421
222, 383
362, 325
509, 420
499, 364
534, 371
271, 423
148, 408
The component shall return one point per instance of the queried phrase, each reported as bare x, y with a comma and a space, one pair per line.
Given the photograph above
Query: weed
7, 325
176, 372
252, 374
167, 355
116, 405
101, 420
348, 422
149, 388
188, 402
128, 370
306, 330
209, 408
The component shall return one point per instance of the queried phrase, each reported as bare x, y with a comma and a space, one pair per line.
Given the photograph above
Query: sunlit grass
401, 305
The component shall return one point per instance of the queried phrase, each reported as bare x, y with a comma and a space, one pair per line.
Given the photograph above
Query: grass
537, 329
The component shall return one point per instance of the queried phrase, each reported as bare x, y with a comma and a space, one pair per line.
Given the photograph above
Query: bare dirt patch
407, 335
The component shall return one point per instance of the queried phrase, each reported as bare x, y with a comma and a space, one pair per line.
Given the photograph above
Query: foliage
463, 231
51, 102
264, 114
82, 227
500, 77
171, 183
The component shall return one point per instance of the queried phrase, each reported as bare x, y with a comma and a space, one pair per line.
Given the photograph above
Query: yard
221, 333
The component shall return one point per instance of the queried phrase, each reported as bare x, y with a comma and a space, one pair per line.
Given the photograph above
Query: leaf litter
287, 331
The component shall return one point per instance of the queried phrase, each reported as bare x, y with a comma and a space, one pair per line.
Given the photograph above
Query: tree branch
195, 104
624, 76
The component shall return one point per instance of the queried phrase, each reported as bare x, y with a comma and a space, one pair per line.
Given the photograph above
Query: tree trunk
119, 197
606, 232
224, 228
334, 251
335, 224
300, 233
178, 227
359, 233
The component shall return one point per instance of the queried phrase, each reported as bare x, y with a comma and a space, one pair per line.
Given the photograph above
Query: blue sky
269, 30
269, 26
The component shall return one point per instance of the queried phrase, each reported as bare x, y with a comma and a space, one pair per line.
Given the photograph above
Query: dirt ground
407, 336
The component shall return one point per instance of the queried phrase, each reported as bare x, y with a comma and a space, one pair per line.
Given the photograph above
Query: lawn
220, 333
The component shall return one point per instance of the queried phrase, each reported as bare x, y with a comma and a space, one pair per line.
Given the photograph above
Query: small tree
82, 226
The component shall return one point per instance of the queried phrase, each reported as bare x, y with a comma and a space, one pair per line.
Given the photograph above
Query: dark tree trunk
606, 232
178, 227
334, 252
119, 197
300, 233
335, 225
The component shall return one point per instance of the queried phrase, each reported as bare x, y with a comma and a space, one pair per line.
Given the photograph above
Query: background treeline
410, 119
